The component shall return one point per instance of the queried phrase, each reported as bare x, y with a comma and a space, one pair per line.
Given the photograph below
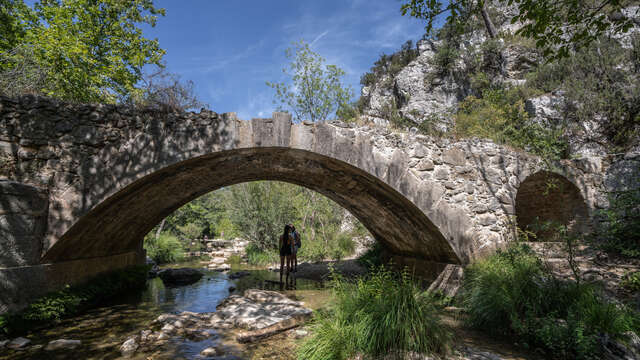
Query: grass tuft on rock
382, 314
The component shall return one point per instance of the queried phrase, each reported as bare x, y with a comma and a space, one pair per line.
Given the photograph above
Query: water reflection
103, 330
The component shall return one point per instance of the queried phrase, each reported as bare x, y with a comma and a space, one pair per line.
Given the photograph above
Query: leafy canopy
91, 51
557, 26
315, 91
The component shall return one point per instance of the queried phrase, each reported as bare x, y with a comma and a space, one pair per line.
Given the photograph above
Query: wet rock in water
258, 309
218, 260
168, 328
178, 324
182, 276
163, 336
18, 343
232, 289
209, 352
219, 267
129, 347
62, 344
239, 274
146, 335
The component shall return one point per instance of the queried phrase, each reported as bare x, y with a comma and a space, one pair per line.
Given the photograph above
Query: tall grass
165, 249
257, 256
382, 314
512, 294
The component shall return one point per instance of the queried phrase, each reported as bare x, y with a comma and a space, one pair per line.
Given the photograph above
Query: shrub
620, 232
74, 299
631, 281
257, 256
165, 249
382, 314
512, 294
499, 115
314, 251
372, 258
445, 58
600, 87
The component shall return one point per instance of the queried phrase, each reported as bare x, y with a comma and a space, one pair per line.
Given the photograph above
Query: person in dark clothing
296, 246
284, 244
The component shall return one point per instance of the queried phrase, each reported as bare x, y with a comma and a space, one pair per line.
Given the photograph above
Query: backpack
297, 237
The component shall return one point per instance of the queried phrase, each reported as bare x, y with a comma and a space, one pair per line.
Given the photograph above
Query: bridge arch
118, 224
549, 199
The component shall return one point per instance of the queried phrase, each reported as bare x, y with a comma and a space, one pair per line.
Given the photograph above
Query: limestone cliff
426, 90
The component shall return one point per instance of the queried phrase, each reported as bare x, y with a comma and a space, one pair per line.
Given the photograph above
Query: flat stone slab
258, 309
62, 344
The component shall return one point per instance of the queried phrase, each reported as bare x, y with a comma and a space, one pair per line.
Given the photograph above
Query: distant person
284, 244
297, 243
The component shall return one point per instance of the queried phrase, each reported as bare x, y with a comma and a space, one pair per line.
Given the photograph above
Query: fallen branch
256, 335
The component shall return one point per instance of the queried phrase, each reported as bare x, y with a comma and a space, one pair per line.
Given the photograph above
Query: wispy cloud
319, 37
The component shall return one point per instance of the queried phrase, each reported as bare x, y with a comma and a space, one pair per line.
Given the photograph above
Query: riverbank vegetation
512, 294
257, 211
380, 314
75, 299
164, 248
620, 230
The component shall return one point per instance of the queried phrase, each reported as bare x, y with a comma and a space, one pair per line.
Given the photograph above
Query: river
104, 329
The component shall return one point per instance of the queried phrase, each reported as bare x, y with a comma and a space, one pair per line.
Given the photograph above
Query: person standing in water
296, 246
284, 244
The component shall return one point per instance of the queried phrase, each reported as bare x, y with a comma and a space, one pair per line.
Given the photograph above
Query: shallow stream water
104, 329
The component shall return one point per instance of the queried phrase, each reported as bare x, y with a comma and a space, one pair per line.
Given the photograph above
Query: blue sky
229, 49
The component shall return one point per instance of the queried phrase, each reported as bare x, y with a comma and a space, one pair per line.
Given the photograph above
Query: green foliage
620, 231
373, 257
316, 91
631, 281
512, 294
556, 26
260, 210
390, 65
257, 256
91, 51
74, 299
378, 315
445, 58
499, 115
165, 249
598, 87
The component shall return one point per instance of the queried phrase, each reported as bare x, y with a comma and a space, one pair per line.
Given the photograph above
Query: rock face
182, 276
425, 91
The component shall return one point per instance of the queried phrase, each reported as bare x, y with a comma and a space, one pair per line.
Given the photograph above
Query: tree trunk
160, 228
491, 29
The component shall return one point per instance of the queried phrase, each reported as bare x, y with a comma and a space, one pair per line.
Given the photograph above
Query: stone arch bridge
80, 185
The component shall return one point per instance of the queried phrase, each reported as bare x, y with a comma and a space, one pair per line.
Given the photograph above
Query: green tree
92, 51
557, 26
315, 91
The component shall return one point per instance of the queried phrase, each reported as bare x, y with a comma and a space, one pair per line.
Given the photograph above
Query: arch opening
546, 200
119, 223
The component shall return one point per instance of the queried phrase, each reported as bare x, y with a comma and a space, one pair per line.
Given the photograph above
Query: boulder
18, 343
208, 352
62, 344
182, 276
129, 347
259, 309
